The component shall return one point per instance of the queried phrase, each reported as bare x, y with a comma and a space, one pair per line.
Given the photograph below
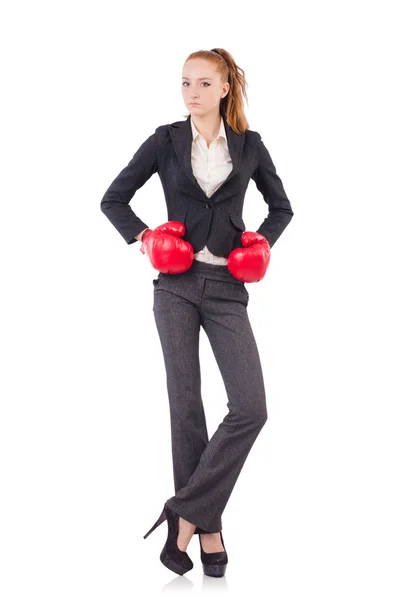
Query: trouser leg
178, 326
225, 321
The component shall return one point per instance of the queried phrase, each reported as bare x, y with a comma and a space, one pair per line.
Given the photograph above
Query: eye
183, 83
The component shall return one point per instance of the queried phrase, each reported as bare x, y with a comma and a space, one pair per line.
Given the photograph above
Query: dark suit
208, 296
215, 221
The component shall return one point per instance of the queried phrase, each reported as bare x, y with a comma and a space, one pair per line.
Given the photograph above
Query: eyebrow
199, 78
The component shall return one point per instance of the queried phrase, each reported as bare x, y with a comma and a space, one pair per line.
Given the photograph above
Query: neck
208, 125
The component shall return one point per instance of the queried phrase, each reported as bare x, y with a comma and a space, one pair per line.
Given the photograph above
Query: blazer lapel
181, 135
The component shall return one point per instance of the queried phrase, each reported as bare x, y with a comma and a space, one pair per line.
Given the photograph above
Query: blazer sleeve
115, 203
271, 187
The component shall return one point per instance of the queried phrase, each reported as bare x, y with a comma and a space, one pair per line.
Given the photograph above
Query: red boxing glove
167, 252
249, 264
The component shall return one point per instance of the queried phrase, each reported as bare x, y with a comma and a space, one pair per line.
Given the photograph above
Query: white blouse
210, 166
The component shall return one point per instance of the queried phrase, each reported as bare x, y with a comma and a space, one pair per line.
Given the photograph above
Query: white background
84, 430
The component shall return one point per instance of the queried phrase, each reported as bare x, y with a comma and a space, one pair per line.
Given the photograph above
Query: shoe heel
171, 556
161, 518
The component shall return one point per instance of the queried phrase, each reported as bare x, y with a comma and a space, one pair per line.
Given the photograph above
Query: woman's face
201, 84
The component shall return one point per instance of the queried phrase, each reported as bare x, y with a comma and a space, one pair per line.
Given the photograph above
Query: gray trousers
205, 471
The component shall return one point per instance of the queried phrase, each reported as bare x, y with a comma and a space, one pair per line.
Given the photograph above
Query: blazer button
208, 205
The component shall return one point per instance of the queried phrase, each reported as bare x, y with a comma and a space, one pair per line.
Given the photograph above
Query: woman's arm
115, 203
271, 187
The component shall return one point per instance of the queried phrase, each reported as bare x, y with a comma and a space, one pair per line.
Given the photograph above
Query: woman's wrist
139, 237
143, 234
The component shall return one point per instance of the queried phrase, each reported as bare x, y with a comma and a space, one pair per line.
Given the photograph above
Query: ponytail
232, 105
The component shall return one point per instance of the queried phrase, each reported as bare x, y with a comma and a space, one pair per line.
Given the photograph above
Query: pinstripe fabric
205, 470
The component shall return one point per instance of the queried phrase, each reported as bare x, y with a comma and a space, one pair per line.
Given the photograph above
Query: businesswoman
204, 258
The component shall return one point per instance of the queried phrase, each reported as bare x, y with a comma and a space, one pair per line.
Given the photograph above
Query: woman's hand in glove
249, 264
167, 252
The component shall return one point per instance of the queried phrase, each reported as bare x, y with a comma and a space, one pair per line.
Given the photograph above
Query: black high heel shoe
214, 563
171, 556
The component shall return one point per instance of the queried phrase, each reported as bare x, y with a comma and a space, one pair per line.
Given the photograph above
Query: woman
204, 258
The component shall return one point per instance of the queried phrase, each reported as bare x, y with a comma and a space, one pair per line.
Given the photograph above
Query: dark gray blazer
216, 221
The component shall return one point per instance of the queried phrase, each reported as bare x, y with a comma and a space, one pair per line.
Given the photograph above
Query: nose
194, 95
